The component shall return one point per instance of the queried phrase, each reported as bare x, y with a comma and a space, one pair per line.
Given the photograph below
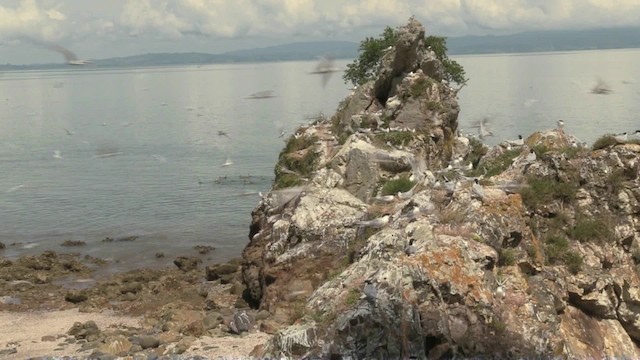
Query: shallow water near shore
87, 154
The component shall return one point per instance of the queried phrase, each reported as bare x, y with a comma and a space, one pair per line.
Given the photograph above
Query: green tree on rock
365, 67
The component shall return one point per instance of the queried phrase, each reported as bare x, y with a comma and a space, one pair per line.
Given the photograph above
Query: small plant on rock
401, 184
546, 189
352, 297
497, 165
591, 229
506, 257
396, 138
603, 142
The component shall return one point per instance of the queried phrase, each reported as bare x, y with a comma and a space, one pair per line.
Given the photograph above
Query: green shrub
557, 251
299, 143
434, 106
419, 86
556, 247
544, 190
506, 257
401, 184
497, 165
343, 137
397, 138
603, 142
352, 297
287, 180
371, 50
591, 230
573, 260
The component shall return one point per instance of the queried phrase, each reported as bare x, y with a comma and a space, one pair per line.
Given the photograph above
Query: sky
96, 29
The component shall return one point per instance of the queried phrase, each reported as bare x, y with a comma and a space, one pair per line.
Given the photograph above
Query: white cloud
163, 21
234, 18
28, 19
142, 15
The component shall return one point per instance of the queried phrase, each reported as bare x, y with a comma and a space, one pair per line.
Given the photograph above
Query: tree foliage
371, 50
365, 67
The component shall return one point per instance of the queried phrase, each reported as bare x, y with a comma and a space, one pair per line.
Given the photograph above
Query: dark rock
212, 320
203, 249
2, 245
159, 255
132, 287
216, 271
146, 341
88, 330
76, 297
8, 351
48, 338
185, 263
73, 243
5, 262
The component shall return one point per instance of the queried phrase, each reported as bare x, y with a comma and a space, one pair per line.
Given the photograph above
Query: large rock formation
538, 258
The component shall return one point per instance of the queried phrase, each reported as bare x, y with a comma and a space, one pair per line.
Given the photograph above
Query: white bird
370, 292
15, 188
621, 138
531, 156
560, 124
518, 142
375, 223
483, 129
450, 187
282, 133
636, 133
159, 158
476, 190
228, 162
410, 249
267, 94
56, 154
385, 198
405, 195
418, 169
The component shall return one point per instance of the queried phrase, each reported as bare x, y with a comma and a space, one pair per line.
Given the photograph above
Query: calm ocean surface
143, 152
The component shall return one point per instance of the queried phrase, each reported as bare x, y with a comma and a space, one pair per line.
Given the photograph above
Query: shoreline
43, 296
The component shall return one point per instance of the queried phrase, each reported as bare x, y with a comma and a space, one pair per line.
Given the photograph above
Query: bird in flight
325, 68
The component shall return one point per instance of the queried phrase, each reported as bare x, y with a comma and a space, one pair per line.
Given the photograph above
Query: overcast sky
96, 29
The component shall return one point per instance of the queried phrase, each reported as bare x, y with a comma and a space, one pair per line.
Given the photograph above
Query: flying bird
223, 133
483, 128
325, 68
267, 94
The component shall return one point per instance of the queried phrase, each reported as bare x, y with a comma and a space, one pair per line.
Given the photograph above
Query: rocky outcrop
525, 251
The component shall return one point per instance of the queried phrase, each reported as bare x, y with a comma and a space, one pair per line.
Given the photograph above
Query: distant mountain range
539, 41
